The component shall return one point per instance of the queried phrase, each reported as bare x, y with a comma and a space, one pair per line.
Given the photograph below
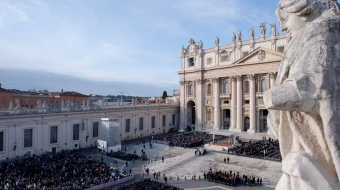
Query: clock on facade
192, 48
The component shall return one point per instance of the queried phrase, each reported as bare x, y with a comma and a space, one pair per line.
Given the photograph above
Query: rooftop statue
200, 44
251, 33
217, 41
273, 27
234, 37
305, 100
263, 29
239, 36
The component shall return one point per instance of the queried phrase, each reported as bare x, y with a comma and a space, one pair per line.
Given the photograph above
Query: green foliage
165, 94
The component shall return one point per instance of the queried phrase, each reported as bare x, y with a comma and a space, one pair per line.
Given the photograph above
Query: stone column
239, 104
199, 105
272, 79
217, 122
182, 105
233, 103
252, 128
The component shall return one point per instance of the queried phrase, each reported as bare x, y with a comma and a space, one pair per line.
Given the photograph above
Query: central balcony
225, 95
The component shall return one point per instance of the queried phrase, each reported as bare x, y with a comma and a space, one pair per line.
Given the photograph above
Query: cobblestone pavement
163, 150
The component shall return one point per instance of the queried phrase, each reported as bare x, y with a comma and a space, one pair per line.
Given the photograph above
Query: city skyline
102, 48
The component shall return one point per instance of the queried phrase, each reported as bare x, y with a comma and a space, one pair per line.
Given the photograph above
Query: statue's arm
292, 94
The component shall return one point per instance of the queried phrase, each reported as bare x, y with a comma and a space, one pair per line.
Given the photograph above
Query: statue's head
294, 14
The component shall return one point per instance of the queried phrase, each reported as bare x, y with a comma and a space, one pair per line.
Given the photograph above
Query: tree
138, 98
165, 94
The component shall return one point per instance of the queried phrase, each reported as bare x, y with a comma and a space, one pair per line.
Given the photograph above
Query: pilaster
239, 104
233, 103
252, 128
182, 105
217, 108
199, 105
272, 79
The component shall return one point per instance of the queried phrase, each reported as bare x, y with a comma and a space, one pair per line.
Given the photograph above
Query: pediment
260, 55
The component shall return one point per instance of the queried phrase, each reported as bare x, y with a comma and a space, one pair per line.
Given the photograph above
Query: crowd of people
148, 184
232, 179
66, 170
123, 155
186, 140
263, 148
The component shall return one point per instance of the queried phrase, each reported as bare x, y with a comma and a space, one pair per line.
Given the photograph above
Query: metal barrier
112, 183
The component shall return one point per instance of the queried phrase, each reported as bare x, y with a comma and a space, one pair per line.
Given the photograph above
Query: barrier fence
113, 183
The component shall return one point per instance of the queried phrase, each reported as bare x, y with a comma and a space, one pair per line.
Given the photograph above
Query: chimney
62, 90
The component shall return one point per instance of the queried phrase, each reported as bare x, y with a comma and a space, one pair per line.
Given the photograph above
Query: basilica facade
222, 87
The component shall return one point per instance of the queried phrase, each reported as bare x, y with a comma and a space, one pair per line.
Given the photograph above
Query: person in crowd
263, 148
123, 156
145, 184
63, 170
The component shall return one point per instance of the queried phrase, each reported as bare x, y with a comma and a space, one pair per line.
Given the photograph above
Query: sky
99, 45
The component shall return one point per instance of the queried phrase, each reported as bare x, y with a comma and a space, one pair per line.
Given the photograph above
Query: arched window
209, 89
246, 87
227, 88
191, 89
263, 85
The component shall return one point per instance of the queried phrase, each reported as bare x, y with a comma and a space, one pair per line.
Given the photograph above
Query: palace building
222, 87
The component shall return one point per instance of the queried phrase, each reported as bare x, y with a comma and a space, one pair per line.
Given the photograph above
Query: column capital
239, 77
199, 81
272, 75
251, 76
233, 78
216, 80
182, 83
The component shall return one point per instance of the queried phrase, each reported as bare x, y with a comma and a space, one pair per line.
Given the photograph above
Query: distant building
28, 99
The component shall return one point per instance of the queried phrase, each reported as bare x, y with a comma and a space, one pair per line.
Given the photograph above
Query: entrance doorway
226, 119
54, 150
246, 123
263, 120
191, 114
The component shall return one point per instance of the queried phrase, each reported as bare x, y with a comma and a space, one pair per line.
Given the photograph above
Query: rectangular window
76, 132
0, 101
209, 61
191, 62
127, 125
225, 58
141, 123
226, 102
56, 102
153, 122
27, 101
173, 119
246, 101
1, 141
54, 135
28, 138
281, 49
163, 120
95, 129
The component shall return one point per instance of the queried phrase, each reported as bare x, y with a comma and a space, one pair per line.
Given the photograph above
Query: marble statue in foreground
305, 100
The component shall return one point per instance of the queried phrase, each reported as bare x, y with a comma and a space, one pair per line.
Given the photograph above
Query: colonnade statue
305, 100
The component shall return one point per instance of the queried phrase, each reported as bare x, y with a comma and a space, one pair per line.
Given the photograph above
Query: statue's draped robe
306, 101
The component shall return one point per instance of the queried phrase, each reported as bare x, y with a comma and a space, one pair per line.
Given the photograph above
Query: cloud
12, 14
41, 4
